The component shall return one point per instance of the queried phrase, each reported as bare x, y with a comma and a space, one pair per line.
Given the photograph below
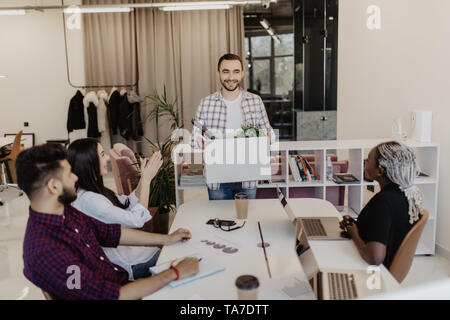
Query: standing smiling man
227, 110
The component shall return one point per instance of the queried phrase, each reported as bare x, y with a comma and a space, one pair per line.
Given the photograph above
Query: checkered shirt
56, 247
212, 113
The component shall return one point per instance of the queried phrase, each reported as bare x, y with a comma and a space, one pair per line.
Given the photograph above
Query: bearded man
226, 111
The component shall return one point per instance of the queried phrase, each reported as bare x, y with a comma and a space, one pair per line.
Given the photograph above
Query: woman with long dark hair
89, 163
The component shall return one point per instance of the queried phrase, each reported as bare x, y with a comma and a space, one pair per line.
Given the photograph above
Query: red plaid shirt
56, 247
212, 113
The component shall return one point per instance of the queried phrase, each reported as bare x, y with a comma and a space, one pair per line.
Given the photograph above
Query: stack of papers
190, 180
192, 176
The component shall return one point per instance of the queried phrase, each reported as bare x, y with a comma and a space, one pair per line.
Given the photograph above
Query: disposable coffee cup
241, 201
247, 287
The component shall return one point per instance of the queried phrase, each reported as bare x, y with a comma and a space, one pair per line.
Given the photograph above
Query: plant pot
164, 222
153, 224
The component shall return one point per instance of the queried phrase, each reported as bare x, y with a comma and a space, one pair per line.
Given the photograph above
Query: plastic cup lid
247, 282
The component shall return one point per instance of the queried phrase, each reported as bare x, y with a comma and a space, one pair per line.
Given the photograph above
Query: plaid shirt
212, 113
57, 246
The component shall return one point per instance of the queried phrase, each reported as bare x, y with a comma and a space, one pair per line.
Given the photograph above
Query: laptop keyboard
314, 227
342, 286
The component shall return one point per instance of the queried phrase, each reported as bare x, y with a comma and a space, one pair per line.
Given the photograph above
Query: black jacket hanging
114, 111
75, 117
91, 103
136, 122
130, 123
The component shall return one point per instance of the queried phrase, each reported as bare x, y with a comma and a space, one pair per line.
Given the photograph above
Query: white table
277, 230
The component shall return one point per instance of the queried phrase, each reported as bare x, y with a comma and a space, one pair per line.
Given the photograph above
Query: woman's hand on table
180, 234
348, 224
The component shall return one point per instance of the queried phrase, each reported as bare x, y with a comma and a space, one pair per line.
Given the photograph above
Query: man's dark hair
37, 165
230, 56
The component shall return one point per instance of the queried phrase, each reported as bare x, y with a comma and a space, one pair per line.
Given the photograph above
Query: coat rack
135, 85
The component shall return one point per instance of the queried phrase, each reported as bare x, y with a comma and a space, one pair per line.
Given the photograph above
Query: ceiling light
97, 10
269, 30
127, 7
264, 23
188, 7
276, 38
3, 76
12, 12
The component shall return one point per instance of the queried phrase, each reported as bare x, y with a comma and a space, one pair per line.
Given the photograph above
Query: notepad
207, 267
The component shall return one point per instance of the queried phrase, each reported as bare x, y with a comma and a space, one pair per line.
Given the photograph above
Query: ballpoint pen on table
264, 248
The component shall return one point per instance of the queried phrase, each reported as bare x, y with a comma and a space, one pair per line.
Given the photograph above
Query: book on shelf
294, 169
300, 168
311, 170
307, 176
344, 178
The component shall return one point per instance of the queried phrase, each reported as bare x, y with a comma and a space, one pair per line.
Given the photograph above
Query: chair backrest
122, 160
123, 151
404, 256
114, 157
16, 146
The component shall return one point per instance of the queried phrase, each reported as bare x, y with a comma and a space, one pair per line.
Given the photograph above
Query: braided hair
399, 164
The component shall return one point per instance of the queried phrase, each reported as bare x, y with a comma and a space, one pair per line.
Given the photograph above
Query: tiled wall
311, 127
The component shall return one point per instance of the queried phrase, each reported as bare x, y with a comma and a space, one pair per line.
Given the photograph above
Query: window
270, 65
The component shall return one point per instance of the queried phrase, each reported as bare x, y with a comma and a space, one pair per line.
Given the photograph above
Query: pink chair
123, 168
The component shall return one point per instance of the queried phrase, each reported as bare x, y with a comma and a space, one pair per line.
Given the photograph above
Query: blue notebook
207, 267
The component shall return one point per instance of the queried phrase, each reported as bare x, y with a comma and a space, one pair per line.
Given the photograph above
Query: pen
264, 248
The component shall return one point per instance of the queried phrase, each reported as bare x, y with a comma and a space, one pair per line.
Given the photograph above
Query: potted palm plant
162, 188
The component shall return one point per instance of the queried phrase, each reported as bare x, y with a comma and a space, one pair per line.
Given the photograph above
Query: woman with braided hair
386, 220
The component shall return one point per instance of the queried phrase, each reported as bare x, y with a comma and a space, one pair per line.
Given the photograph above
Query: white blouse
136, 215
102, 209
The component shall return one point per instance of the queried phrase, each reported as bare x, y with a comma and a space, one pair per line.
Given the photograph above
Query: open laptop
317, 228
333, 284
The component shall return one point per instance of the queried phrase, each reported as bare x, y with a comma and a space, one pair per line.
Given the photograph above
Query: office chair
404, 256
11, 156
122, 160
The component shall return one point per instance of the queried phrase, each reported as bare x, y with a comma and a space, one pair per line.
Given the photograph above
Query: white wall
385, 74
32, 55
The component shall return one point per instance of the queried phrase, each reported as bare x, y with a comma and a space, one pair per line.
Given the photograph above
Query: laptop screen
302, 247
285, 205
303, 250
